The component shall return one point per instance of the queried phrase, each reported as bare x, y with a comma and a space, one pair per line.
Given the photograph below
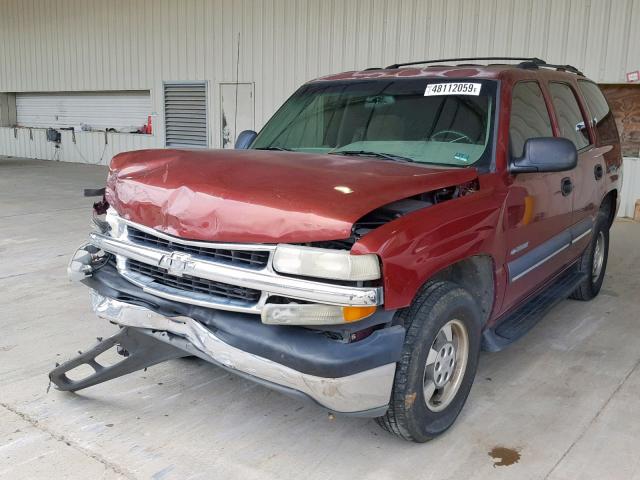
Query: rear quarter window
599, 111
570, 120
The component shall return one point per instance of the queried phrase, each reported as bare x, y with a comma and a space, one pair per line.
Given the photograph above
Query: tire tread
429, 295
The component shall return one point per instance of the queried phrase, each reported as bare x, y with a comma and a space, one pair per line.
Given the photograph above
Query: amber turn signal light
353, 314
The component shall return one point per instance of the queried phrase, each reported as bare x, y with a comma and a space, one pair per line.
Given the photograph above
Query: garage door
123, 111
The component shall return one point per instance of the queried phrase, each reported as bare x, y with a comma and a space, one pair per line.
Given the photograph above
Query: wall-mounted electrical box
53, 135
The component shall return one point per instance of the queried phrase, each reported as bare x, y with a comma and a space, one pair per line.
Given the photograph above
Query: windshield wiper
365, 153
280, 149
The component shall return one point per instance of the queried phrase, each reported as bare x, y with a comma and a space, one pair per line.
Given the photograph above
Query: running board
139, 351
513, 326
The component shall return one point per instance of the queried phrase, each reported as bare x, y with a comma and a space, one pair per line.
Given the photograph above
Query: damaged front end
303, 320
264, 279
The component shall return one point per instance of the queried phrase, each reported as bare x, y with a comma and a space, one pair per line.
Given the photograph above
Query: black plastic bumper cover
304, 350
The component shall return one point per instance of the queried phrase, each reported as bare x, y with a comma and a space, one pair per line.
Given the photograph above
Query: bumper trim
364, 391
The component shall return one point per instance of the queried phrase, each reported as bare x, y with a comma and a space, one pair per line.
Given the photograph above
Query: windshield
427, 120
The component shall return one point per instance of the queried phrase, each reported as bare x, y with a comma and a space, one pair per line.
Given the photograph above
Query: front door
572, 125
539, 205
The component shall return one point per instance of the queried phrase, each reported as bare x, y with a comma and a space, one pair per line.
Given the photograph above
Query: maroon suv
382, 228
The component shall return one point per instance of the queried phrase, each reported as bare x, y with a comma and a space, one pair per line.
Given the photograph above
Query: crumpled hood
262, 196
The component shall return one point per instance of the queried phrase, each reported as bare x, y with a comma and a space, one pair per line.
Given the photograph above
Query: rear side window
601, 115
529, 116
570, 119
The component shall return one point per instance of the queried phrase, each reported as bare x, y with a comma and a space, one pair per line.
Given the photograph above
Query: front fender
415, 247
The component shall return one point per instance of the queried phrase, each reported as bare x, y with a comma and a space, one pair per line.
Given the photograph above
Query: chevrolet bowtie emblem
177, 263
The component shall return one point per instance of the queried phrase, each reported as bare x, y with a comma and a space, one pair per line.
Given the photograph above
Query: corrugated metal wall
63, 45
630, 191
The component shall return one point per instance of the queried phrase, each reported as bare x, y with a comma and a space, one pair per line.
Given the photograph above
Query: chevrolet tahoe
360, 251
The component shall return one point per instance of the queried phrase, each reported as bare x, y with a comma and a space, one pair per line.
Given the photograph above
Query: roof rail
464, 59
525, 62
564, 68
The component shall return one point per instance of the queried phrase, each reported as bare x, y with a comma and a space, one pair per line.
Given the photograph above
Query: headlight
116, 225
325, 263
312, 314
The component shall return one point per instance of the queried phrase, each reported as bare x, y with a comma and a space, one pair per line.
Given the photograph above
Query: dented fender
416, 246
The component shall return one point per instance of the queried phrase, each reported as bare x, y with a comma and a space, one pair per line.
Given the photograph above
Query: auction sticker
453, 88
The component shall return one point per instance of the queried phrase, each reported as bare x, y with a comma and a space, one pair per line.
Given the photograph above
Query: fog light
312, 314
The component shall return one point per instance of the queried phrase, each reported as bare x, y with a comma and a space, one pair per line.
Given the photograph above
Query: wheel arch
610, 204
476, 274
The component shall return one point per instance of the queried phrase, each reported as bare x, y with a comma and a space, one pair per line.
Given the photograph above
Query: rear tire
438, 363
593, 261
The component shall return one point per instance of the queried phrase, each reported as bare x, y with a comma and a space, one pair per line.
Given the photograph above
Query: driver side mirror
546, 154
245, 139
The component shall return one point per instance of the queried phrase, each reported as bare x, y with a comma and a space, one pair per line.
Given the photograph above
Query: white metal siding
62, 45
90, 147
630, 192
126, 111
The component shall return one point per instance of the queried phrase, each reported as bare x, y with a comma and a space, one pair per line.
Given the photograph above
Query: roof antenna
235, 113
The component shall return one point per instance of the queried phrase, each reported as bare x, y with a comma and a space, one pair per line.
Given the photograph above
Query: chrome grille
187, 283
254, 259
220, 275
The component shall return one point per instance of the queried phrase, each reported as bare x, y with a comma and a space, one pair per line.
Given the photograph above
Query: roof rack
525, 62
563, 68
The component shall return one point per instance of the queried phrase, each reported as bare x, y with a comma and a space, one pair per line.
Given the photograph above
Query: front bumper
363, 393
167, 305
301, 349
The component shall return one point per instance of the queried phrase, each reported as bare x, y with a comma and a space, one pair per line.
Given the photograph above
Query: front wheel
438, 363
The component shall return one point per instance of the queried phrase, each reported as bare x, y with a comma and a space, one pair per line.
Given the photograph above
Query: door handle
598, 171
566, 186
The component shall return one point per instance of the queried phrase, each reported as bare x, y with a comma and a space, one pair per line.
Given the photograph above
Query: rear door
539, 210
588, 175
607, 143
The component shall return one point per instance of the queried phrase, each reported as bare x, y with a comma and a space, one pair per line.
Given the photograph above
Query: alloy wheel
598, 257
445, 366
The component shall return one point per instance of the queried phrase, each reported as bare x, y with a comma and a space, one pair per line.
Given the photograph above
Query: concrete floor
565, 397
